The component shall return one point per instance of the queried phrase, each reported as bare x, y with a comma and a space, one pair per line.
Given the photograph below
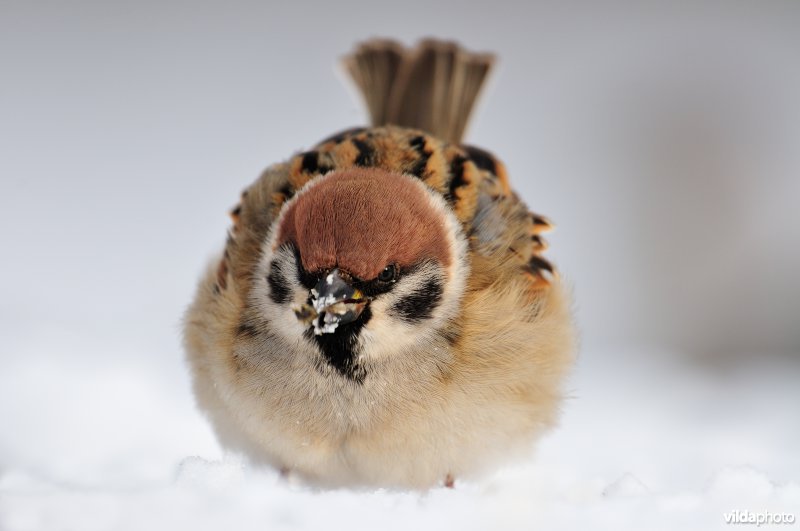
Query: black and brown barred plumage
439, 373
460, 173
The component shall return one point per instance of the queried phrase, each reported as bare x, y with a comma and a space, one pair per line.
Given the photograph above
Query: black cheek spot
279, 287
419, 304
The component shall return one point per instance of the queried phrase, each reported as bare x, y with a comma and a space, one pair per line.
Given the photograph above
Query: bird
382, 315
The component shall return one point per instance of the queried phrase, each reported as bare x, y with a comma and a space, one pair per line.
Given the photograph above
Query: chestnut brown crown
361, 220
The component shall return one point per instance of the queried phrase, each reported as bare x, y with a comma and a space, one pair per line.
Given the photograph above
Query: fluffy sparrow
381, 314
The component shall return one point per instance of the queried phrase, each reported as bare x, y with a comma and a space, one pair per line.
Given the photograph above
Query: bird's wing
503, 227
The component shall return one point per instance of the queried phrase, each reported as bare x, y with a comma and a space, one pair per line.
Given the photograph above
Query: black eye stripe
381, 284
370, 288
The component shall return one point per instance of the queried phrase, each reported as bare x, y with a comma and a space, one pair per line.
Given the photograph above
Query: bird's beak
333, 302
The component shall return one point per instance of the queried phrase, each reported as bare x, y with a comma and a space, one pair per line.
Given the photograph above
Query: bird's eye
389, 274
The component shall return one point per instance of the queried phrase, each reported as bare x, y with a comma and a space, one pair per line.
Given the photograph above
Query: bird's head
363, 264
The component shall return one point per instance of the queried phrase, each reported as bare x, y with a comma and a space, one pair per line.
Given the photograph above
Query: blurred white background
664, 141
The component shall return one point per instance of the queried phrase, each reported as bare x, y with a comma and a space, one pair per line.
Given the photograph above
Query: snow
663, 142
646, 441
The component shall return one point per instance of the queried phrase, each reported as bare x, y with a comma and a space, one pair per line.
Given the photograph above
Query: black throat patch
340, 348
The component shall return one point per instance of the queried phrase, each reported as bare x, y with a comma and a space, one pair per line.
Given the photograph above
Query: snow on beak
332, 302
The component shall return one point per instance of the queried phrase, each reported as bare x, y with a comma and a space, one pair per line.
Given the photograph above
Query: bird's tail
432, 86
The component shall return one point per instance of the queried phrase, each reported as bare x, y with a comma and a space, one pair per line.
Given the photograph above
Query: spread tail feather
432, 87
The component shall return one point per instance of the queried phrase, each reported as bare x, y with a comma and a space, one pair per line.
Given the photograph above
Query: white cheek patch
281, 315
416, 297
407, 314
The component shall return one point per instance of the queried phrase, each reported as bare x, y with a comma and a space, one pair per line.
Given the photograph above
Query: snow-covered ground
663, 140
646, 442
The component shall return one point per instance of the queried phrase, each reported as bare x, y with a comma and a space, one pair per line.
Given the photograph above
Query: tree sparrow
381, 314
